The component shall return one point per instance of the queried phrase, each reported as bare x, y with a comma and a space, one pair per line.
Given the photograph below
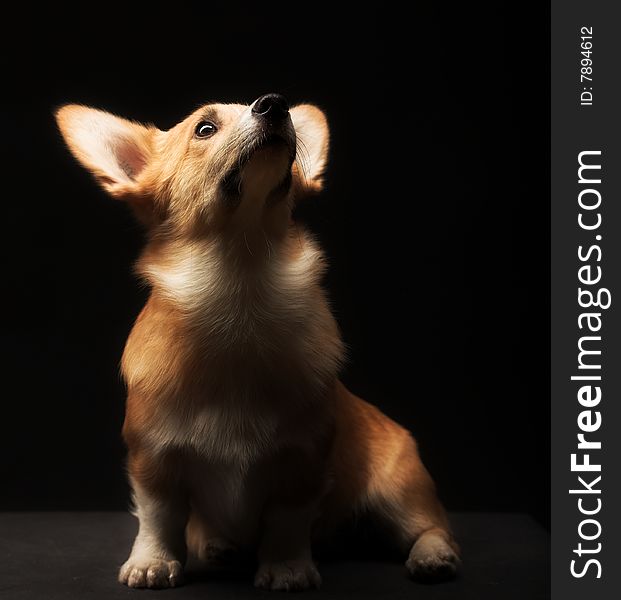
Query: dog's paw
289, 576
432, 559
151, 573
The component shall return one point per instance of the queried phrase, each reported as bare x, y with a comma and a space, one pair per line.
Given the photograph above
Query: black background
435, 219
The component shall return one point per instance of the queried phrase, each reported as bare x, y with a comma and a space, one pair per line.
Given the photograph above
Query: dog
239, 432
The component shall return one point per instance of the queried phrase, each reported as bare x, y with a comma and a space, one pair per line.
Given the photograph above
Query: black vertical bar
586, 119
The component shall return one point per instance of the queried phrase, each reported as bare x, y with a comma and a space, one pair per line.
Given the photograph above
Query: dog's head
226, 166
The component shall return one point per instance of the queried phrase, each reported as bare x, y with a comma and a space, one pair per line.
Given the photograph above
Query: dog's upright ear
115, 150
313, 141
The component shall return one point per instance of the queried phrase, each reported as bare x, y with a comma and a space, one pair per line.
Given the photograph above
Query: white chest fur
262, 334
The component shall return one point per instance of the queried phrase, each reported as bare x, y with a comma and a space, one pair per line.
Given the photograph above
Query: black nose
271, 106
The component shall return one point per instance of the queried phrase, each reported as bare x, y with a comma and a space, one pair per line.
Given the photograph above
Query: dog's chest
254, 348
255, 340
234, 305
216, 433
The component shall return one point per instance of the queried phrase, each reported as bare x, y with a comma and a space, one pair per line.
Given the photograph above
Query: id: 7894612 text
586, 66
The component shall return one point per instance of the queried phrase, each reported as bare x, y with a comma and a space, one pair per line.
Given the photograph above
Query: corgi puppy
239, 433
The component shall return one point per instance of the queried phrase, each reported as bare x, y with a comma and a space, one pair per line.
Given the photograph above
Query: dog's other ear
311, 129
115, 150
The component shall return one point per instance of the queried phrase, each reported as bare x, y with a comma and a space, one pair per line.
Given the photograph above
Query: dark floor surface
60, 555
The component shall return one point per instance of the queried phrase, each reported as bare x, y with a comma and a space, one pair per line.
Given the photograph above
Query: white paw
432, 558
289, 576
151, 573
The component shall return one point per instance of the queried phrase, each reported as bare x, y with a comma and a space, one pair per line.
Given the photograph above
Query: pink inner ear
129, 157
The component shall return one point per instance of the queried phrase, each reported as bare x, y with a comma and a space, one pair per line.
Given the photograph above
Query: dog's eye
205, 129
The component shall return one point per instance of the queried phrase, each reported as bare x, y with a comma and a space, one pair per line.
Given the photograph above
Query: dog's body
239, 432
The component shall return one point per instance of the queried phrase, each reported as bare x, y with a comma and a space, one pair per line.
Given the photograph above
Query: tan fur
236, 424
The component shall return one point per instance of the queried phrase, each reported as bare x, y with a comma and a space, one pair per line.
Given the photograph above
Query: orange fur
237, 426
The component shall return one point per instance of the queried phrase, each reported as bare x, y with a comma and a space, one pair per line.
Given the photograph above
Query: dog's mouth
264, 141
231, 182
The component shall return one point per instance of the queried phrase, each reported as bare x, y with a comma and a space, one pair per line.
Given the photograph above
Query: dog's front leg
285, 561
159, 551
